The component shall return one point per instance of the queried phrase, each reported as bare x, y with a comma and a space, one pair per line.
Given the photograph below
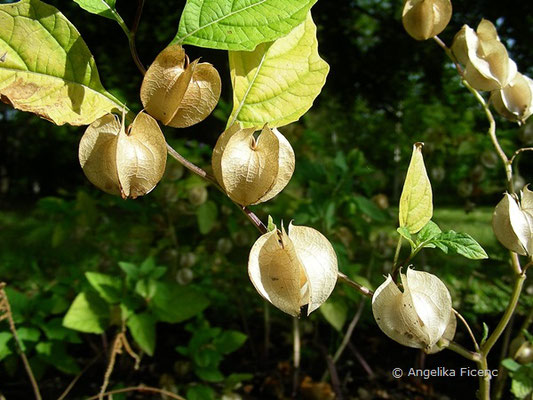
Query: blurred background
384, 92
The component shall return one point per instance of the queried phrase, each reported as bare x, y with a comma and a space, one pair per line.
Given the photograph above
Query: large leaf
174, 303
416, 201
88, 313
47, 68
277, 82
104, 8
107, 286
237, 24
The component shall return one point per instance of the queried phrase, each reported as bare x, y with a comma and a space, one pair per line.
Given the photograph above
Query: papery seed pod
417, 317
293, 269
128, 162
424, 19
512, 222
486, 61
179, 93
252, 171
515, 101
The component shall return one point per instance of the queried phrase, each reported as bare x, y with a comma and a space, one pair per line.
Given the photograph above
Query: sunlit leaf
239, 25
104, 8
416, 201
47, 68
277, 82
87, 313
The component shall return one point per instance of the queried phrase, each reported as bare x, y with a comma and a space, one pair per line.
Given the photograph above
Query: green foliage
233, 25
206, 349
142, 299
522, 377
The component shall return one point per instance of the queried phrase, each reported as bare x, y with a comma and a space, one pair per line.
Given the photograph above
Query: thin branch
450, 54
457, 348
141, 389
296, 354
6, 307
517, 152
77, 377
458, 315
131, 37
357, 286
346, 338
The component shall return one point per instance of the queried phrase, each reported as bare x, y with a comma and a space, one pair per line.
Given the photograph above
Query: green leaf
142, 329
206, 215
107, 286
461, 243
104, 8
5, 337
131, 270
146, 288
368, 207
335, 312
87, 313
416, 201
209, 374
485, 333
229, 341
288, 71
175, 303
55, 354
233, 379
511, 364
404, 232
200, 392
271, 225
428, 232
239, 25
47, 68
522, 383
147, 266
27, 334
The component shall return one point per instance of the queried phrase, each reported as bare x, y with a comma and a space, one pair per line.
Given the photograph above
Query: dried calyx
512, 222
424, 19
125, 161
420, 315
179, 93
515, 101
293, 269
486, 61
251, 170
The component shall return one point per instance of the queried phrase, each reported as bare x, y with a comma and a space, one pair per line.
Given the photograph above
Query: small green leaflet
237, 24
431, 236
142, 329
104, 8
461, 243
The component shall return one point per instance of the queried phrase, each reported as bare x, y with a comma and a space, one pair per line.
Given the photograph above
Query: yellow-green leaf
416, 201
278, 81
47, 68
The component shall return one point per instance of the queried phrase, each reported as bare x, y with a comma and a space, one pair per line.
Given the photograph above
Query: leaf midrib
105, 93
220, 19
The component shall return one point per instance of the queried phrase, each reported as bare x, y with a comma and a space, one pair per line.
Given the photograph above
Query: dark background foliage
384, 92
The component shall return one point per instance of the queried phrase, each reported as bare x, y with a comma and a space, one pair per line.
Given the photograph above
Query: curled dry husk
293, 269
515, 101
512, 222
424, 19
127, 162
420, 315
486, 61
179, 93
252, 171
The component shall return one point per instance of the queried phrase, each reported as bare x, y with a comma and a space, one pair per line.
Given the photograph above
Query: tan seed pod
424, 19
417, 317
179, 93
486, 61
515, 101
293, 269
252, 171
512, 222
126, 162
